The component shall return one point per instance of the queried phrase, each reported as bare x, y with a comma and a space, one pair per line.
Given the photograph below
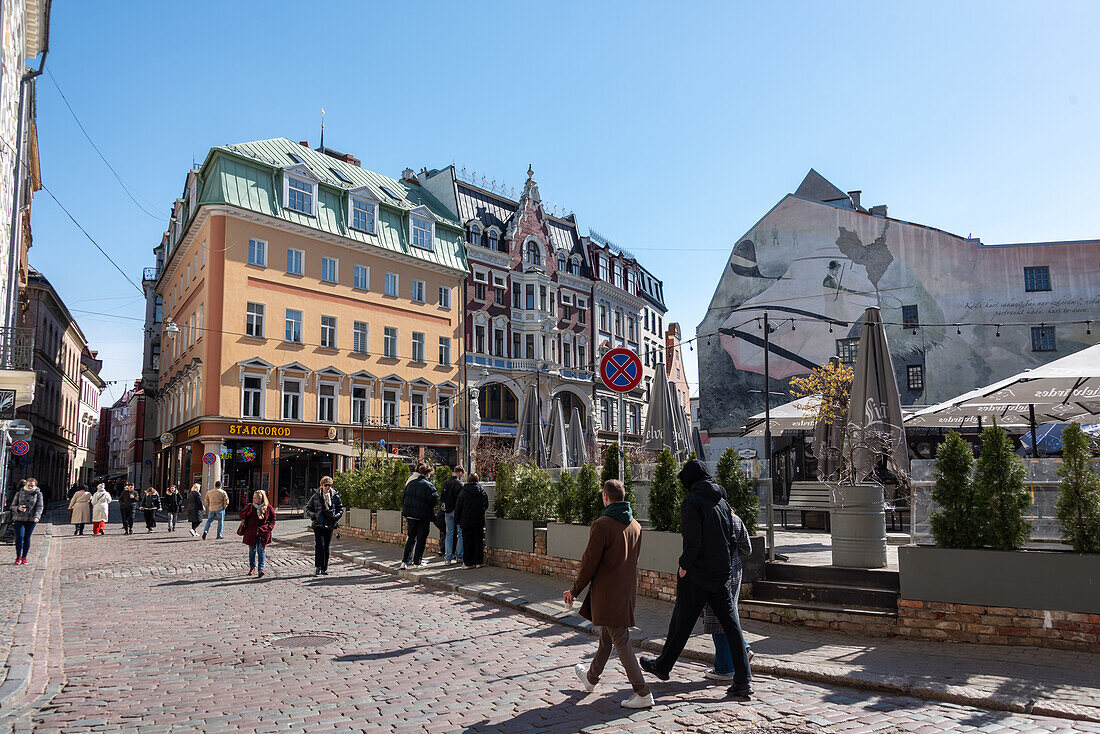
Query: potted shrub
1079, 496
391, 482
578, 497
742, 498
531, 499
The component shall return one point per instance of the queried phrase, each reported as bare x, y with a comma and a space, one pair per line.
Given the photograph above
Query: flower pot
858, 526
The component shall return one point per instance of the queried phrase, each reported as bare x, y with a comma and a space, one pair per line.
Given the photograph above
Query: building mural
960, 313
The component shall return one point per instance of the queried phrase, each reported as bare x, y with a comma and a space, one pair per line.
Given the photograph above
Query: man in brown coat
610, 565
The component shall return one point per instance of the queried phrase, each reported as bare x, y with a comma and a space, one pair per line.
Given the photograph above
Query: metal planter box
516, 535
357, 517
1052, 580
565, 540
660, 551
388, 521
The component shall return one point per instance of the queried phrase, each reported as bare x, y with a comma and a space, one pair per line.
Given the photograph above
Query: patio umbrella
531, 441
662, 429
558, 454
683, 423
796, 415
578, 450
874, 421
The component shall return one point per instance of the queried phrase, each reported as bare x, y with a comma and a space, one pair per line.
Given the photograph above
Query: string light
998, 329
1088, 327
958, 330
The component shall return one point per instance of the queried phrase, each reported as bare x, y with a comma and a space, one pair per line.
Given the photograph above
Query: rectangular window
299, 195
910, 319
479, 339
847, 350
582, 358
444, 297
359, 337
418, 406
257, 253
1042, 339
529, 290
359, 405
389, 407
254, 320
499, 297
418, 291
915, 373
516, 352
542, 298
607, 415
326, 402
294, 261
362, 278
515, 298
328, 269
421, 232
389, 342
498, 342
633, 416
418, 346
1037, 279
445, 351
443, 413
479, 291
252, 397
362, 215
391, 284
529, 342
293, 326
292, 400
328, 332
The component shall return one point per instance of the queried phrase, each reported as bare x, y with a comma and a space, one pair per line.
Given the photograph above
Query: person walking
470, 510
101, 510
418, 508
704, 576
150, 504
452, 540
723, 657
26, 506
610, 566
80, 505
172, 504
216, 501
324, 510
127, 500
257, 522
193, 507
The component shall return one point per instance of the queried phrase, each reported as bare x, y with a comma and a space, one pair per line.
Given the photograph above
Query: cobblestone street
161, 632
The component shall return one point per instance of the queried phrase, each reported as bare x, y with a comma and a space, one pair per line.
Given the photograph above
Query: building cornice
617, 294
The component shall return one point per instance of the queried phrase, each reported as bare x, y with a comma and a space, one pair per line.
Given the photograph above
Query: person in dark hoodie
470, 510
418, 509
610, 565
452, 540
710, 541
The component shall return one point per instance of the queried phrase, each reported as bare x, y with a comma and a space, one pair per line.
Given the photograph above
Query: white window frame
419, 338
370, 213
389, 342
330, 330
391, 417
481, 276
396, 285
304, 180
335, 269
444, 297
419, 222
365, 408
444, 407
286, 335
420, 291
300, 395
300, 258
365, 271
260, 401
335, 398
445, 351
251, 313
360, 341
423, 422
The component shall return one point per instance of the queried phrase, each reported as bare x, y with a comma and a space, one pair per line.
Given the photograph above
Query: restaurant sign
242, 429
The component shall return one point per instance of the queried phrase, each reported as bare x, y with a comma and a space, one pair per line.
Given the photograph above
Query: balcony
16, 348
529, 366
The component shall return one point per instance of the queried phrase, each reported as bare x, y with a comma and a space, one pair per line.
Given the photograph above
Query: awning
340, 449
491, 430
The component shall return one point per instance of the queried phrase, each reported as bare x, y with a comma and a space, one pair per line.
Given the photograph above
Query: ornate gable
530, 223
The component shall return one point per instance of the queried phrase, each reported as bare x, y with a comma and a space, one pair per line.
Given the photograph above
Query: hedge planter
388, 521
564, 540
357, 517
516, 535
1050, 580
660, 551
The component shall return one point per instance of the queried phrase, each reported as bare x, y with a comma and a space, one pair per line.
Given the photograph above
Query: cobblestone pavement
163, 633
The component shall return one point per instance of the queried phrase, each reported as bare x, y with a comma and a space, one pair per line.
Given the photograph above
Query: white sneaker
751, 654
711, 675
639, 702
582, 673
194, 534
403, 565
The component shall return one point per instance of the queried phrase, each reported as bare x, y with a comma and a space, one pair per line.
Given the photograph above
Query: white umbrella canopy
797, 415
662, 427
578, 451
875, 419
531, 441
558, 446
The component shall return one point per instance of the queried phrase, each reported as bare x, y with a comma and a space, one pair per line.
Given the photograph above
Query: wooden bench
807, 497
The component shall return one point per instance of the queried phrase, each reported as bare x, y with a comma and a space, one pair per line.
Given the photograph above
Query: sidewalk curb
17, 676
901, 686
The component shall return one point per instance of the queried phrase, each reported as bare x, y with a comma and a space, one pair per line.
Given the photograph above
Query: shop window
497, 403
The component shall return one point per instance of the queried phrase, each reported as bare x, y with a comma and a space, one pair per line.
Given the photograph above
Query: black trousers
690, 600
195, 524
150, 518
418, 536
473, 546
322, 538
127, 518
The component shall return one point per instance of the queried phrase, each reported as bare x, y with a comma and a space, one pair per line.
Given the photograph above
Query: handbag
240, 528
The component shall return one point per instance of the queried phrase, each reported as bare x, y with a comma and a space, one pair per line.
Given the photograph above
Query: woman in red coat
257, 522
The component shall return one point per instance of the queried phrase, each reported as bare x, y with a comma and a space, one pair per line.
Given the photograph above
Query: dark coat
127, 499
610, 565
33, 501
150, 502
471, 505
451, 489
711, 625
420, 499
172, 502
707, 528
256, 527
322, 518
193, 503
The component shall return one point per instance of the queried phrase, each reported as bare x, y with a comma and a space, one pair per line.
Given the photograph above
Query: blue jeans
23, 530
453, 532
256, 553
220, 515
723, 656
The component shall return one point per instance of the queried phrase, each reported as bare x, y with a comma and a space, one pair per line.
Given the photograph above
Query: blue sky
668, 127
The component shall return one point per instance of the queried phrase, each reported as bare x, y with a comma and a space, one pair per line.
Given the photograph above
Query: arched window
561, 262
493, 238
533, 256
473, 234
570, 400
497, 403
575, 265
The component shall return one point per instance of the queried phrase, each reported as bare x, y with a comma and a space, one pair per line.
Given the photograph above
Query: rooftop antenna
322, 129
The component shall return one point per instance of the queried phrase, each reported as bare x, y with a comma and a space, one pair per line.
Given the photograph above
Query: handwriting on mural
1033, 306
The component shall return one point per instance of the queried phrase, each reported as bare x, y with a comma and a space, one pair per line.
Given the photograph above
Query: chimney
303, 143
879, 210
349, 158
409, 175
854, 196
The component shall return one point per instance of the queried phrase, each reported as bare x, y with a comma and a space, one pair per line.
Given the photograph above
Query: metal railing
16, 348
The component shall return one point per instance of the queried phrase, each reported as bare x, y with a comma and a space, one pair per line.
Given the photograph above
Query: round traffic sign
20, 448
621, 370
20, 428
166, 438
209, 457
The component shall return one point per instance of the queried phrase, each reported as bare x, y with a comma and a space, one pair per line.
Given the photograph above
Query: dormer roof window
300, 189
422, 228
473, 233
363, 210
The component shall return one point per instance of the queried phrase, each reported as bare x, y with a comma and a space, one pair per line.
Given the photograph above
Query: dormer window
602, 263
421, 228
362, 215
532, 255
301, 194
629, 281
473, 234
494, 239
618, 275
561, 262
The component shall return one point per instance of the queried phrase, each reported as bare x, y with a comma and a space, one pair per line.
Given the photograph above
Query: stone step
834, 576
813, 593
812, 610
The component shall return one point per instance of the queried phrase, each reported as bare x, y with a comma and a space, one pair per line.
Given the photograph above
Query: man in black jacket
418, 508
705, 567
452, 534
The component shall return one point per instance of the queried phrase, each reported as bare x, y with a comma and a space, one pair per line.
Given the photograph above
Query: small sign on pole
621, 371
20, 448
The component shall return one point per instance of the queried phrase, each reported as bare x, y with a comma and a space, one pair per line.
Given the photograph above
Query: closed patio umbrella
875, 420
558, 455
662, 427
578, 450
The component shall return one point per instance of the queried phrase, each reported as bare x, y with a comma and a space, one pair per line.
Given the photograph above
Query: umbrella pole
1031, 419
768, 441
